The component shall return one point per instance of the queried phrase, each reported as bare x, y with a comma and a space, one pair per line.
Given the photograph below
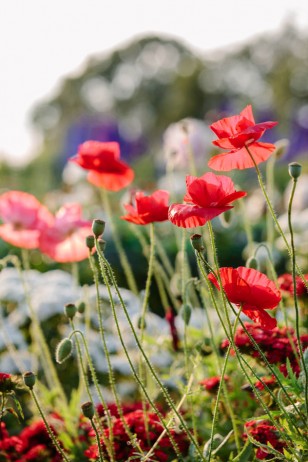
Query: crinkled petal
112, 181
190, 216
240, 159
261, 317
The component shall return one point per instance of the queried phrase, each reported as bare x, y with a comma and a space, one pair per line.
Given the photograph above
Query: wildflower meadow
134, 342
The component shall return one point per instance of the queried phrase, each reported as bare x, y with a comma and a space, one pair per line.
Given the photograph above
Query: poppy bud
196, 242
81, 308
98, 227
29, 379
70, 310
102, 244
186, 313
141, 323
88, 409
253, 263
281, 147
90, 242
64, 350
295, 170
226, 218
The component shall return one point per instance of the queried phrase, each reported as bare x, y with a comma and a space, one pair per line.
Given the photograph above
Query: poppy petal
111, 181
240, 159
261, 317
191, 216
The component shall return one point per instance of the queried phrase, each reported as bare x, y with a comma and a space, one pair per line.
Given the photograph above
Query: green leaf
244, 455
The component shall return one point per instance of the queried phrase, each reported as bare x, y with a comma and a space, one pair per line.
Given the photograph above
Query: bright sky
44, 40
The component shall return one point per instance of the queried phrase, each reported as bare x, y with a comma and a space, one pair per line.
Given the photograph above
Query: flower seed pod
29, 379
295, 170
102, 244
196, 242
98, 227
186, 313
90, 242
70, 310
88, 410
81, 308
64, 350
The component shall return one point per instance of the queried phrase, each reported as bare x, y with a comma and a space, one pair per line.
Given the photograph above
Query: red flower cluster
211, 384
6, 383
147, 209
285, 282
206, 198
106, 170
234, 134
264, 433
275, 344
252, 290
137, 425
33, 444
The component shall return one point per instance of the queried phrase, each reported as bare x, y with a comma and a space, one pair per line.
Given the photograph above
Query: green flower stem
164, 258
272, 211
106, 351
81, 366
147, 362
271, 189
109, 445
171, 421
130, 278
107, 275
39, 339
247, 226
293, 261
100, 450
48, 428
224, 297
241, 358
148, 281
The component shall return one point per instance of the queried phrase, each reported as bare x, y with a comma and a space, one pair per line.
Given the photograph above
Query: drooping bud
29, 379
81, 308
88, 410
64, 350
253, 263
141, 323
196, 242
295, 170
281, 147
226, 218
90, 242
98, 227
102, 244
186, 313
70, 310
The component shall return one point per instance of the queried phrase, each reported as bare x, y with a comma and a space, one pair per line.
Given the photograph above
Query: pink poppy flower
148, 209
24, 218
106, 170
234, 134
206, 198
65, 240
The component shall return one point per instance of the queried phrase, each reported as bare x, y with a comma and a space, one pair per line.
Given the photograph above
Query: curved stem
147, 362
130, 278
272, 211
293, 261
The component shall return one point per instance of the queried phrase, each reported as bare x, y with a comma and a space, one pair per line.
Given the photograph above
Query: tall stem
293, 261
272, 211
130, 278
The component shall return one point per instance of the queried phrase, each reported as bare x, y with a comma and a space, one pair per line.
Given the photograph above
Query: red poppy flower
106, 170
65, 240
212, 383
285, 282
148, 209
24, 218
234, 134
252, 290
206, 197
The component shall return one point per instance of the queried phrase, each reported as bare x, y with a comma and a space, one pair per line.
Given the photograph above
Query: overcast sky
42, 41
